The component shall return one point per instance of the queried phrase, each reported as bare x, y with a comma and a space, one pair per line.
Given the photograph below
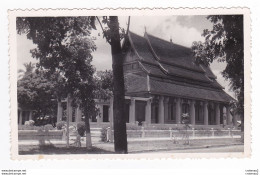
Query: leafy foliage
35, 91
81, 128
60, 125
104, 84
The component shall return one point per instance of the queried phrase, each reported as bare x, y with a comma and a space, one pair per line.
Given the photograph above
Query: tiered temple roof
155, 66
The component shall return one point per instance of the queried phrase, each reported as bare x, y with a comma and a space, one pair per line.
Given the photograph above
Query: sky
183, 30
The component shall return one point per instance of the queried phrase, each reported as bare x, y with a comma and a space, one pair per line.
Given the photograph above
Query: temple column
206, 114
20, 118
148, 110
166, 108
178, 111
78, 114
59, 111
229, 118
99, 113
30, 115
132, 111
161, 110
192, 112
217, 114
69, 109
111, 112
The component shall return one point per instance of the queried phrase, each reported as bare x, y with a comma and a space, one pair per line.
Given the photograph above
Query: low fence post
170, 129
109, 134
193, 133
143, 133
212, 132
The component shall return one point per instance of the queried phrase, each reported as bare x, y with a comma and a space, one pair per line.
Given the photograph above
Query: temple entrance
171, 112
199, 117
140, 111
155, 113
105, 113
211, 115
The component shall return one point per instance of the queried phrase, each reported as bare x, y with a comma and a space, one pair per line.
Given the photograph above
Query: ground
196, 146
221, 149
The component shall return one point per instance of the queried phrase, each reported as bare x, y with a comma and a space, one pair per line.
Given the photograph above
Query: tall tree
64, 46
113, 34
225, 43
118, 90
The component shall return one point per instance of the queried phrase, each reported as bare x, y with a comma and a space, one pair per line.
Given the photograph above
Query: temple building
163, 82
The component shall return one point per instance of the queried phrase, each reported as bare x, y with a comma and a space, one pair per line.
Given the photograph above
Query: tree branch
103, 30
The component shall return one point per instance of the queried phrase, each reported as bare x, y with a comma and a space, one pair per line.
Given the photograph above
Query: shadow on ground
61, 149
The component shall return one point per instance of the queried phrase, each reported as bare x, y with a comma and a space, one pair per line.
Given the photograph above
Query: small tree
185, 119
35, 91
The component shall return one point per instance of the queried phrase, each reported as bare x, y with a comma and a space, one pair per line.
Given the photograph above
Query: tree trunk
88, 134
120, 137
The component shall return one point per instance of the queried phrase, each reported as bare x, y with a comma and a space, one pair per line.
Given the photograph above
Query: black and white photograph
130, 85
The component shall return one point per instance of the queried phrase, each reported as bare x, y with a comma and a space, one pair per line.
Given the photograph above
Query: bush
29, 123
48, 127
59, 125
81, 128
103, 135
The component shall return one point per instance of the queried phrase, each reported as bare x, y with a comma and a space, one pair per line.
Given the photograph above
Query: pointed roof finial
171, 39
144, 29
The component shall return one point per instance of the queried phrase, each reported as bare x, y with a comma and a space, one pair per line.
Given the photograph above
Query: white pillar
192, 112
78, 114
217, 114
111, 114
20, 118
59, 112
229, 118
178, 110
132, 111
30, 115
101, 112
166, 108
205, 112
161, 110
99, 118
148, 110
